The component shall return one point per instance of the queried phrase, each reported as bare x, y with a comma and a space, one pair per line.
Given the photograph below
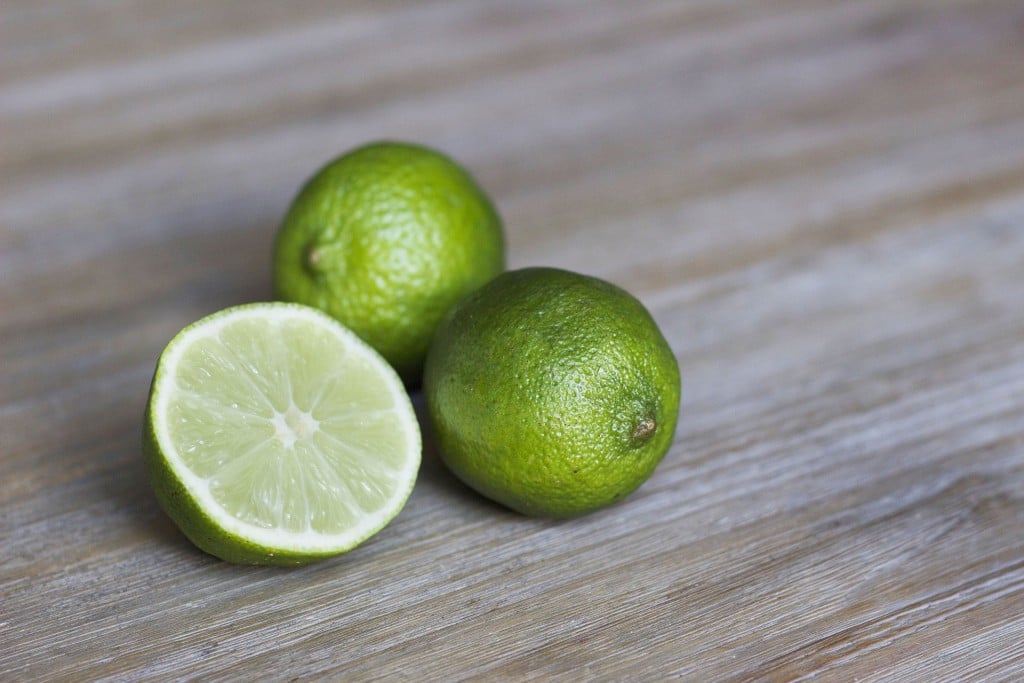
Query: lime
385, 239
551, 392
275, 436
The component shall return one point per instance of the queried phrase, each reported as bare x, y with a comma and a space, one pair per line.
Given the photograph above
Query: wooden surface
822, 203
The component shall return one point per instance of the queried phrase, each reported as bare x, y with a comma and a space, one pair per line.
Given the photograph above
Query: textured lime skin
385, 239
552, 393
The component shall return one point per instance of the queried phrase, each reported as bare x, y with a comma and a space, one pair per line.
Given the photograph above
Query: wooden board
822, 203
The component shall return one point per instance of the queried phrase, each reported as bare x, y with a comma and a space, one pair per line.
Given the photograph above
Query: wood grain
822, 203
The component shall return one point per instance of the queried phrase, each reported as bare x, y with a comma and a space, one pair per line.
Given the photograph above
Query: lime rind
201, 489
385, 238
551, 392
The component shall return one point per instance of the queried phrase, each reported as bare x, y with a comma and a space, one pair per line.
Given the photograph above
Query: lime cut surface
274, 435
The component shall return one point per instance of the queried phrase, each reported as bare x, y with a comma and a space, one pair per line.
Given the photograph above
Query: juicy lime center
294, 425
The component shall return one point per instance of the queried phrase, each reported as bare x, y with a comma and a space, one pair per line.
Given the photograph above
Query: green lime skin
385, 239
551, 392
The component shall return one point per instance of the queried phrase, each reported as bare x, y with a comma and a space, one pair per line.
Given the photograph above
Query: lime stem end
644, 429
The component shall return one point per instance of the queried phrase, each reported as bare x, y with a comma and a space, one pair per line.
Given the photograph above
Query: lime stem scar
312, 258
645, 428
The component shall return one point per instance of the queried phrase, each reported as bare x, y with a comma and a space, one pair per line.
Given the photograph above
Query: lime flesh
276, 436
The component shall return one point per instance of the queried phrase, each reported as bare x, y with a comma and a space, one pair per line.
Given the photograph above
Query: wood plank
821, 203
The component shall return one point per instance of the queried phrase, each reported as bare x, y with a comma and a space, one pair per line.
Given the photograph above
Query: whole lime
551, 392
385, 239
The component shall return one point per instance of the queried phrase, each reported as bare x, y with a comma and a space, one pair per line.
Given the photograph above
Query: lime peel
385, 238
551, 392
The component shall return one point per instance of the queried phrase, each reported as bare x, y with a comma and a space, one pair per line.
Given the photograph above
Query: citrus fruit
551, 392
274, 435
385, 239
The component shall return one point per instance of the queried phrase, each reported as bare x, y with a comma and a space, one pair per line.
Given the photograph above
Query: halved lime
274, 435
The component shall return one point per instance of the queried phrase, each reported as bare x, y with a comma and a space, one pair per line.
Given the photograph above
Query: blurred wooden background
822, 203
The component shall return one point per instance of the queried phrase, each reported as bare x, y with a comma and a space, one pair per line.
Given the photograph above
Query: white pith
288, 426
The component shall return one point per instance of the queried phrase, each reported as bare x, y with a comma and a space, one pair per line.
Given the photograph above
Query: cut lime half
274, 435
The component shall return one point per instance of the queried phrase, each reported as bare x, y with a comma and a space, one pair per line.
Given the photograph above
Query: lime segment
276, 436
